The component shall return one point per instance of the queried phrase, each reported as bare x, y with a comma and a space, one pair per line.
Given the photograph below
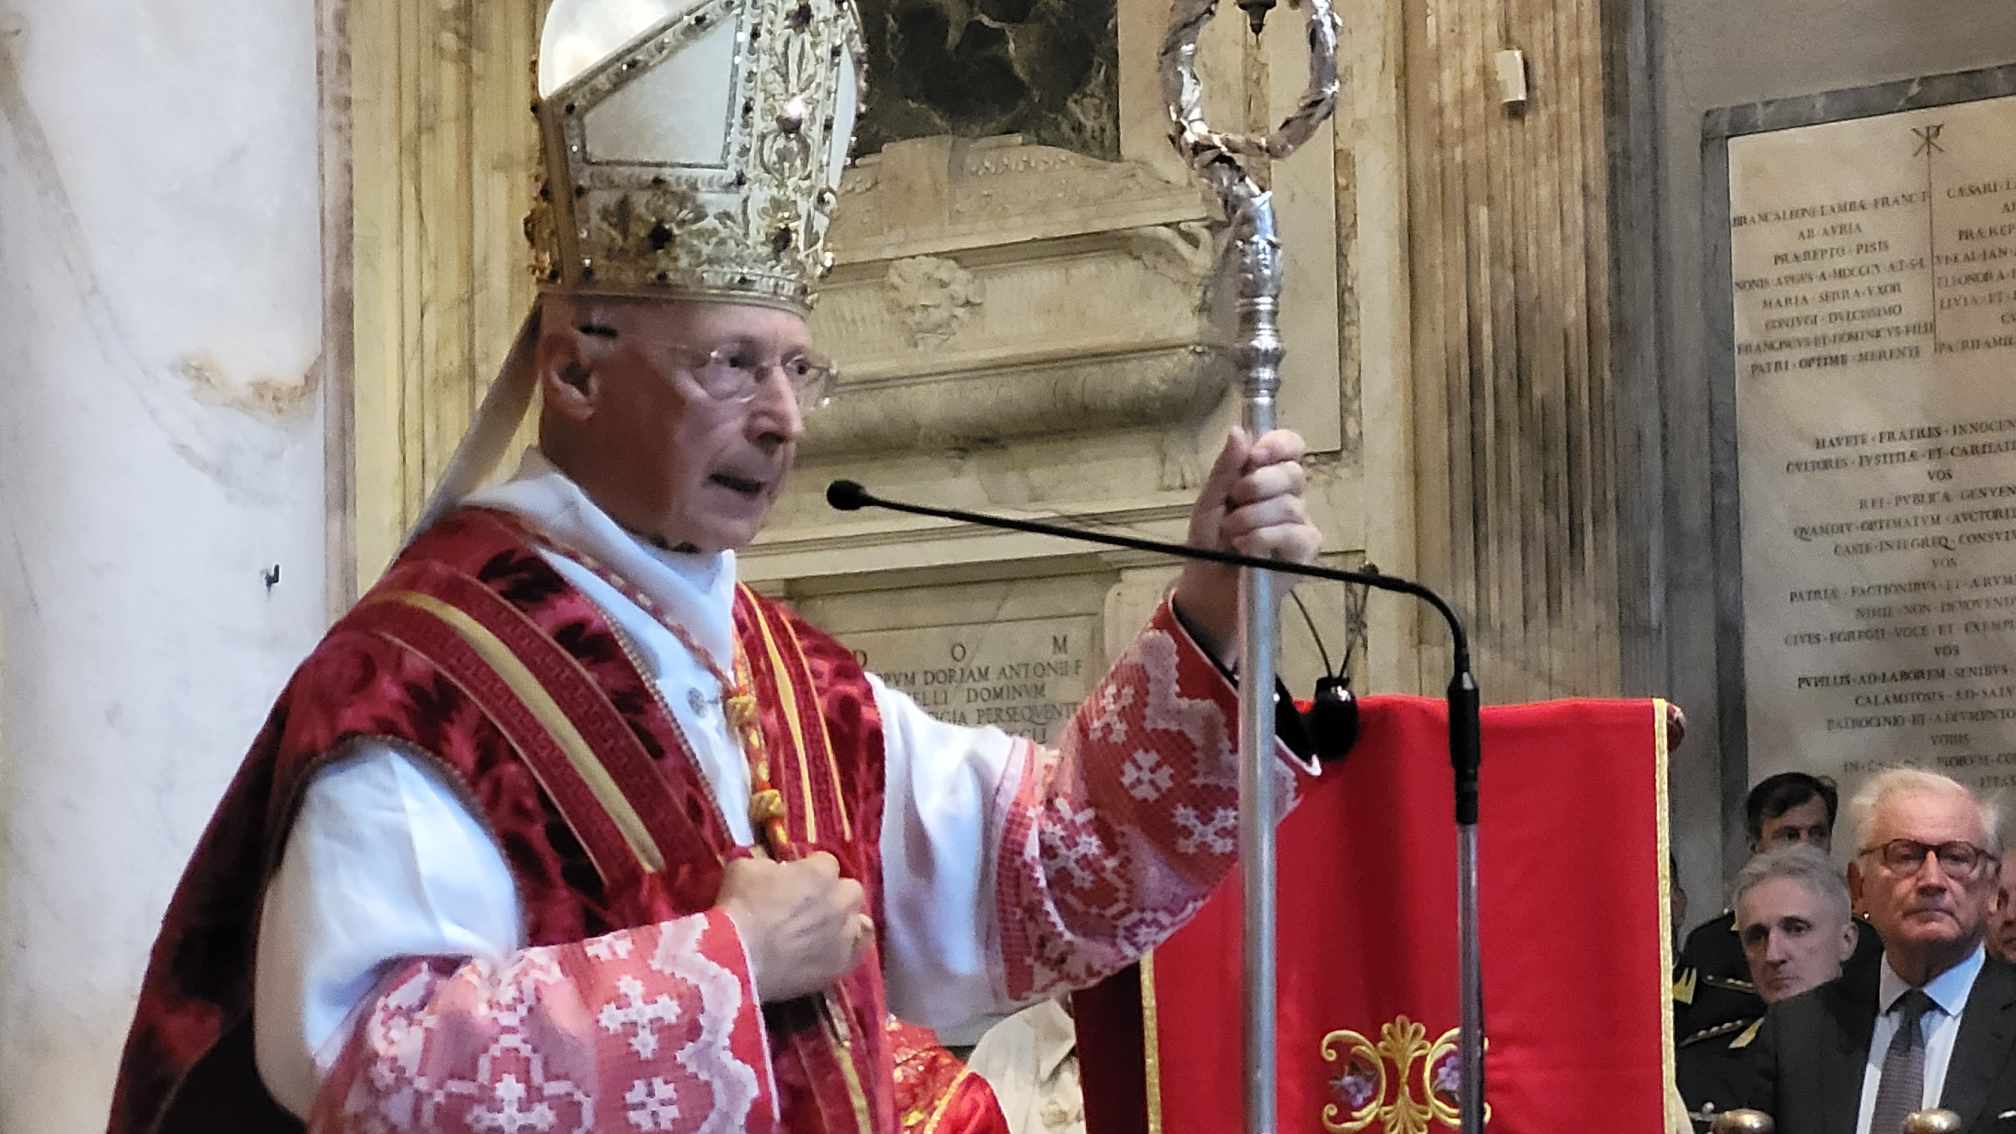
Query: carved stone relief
934, 295
1183, 252
992, 290
931, 195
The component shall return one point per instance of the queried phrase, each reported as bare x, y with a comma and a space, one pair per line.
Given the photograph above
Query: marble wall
1708, 54
162, 515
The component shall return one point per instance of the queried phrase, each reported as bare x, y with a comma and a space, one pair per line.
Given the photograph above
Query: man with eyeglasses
563, 829
1934, 1025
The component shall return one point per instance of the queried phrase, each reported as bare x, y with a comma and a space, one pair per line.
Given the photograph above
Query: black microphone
1465, 700
847, 496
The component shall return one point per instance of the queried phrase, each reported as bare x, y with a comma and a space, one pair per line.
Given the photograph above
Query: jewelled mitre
693, 148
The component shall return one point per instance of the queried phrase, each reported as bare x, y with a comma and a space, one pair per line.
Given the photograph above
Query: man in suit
1935, 1023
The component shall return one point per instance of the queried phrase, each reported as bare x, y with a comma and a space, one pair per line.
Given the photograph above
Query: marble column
162, 496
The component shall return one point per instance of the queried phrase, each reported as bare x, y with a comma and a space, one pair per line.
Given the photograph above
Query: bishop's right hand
802, 924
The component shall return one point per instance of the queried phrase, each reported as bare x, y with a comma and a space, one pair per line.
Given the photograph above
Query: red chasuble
1575, 943
631, 1007
475, 656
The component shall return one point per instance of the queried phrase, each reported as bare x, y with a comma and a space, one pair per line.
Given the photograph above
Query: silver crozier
1221, 160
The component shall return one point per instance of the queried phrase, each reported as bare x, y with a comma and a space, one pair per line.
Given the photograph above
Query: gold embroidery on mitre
1368, 1071
747, 224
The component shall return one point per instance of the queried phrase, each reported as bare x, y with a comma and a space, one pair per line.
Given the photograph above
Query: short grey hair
1892, 783
1800, 863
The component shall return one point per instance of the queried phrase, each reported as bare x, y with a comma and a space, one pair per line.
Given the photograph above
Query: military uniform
1717, 1010
1714, 1066
1711, 983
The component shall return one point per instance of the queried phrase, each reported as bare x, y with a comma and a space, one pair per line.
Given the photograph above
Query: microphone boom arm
850, 496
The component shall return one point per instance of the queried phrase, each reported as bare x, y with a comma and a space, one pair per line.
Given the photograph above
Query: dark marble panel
1858, 102
1046, 69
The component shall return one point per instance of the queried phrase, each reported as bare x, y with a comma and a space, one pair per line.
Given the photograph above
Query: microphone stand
1465, 740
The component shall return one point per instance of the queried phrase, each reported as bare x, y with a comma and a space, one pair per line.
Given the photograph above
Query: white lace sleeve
384, 862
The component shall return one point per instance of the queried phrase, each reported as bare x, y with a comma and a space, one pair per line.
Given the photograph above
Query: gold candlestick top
1743, 1122
1932, 1122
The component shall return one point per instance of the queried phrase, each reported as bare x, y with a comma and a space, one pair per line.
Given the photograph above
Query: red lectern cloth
1575, 936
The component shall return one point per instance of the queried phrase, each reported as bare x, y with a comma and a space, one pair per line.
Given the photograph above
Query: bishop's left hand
1251, 503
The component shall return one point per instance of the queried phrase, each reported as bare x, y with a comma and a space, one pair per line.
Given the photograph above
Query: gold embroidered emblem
1375, 1081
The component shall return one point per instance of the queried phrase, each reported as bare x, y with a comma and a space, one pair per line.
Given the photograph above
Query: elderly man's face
2002, 919
1806, 823
1925, 912
1792, 938
694, 469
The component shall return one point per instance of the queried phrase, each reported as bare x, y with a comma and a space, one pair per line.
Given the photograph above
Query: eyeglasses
1906, 857
732, 373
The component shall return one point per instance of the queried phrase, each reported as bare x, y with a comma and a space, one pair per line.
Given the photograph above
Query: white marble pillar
161, 449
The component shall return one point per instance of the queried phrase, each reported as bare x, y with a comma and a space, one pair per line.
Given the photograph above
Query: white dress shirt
385, 862
1937, 1029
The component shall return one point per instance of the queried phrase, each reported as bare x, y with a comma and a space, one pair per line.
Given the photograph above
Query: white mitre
577, 34
692, 149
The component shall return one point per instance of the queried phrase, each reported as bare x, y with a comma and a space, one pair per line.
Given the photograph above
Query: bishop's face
672, 434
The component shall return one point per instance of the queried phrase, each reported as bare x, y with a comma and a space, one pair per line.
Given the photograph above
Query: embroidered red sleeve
652, 1029
1115, 837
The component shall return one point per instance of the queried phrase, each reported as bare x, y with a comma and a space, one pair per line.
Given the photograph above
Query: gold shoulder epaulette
1749, 1033
1683, 986
1721, 1029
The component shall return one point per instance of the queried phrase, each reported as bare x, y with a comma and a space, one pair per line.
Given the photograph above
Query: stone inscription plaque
1024, 676
1874, 285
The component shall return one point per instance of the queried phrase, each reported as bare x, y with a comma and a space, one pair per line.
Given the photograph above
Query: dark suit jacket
1812, 1050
